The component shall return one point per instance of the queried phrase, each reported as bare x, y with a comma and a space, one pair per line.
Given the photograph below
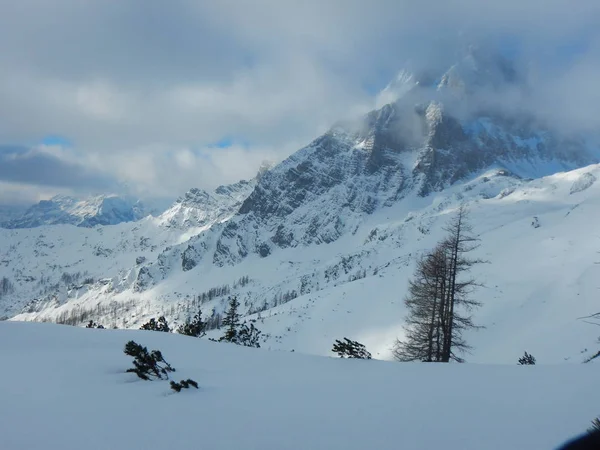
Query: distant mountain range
82, 212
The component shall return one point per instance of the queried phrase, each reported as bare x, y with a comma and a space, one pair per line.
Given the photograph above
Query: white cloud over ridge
142, 87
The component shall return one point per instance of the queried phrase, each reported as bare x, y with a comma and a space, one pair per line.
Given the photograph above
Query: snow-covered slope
48, 265
10, 212
83, 212
539, 236
322, 245
67, 389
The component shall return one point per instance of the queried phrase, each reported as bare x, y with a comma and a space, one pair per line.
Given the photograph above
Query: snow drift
66, 388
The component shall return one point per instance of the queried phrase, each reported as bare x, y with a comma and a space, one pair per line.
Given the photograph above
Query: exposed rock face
437, 131
323, 190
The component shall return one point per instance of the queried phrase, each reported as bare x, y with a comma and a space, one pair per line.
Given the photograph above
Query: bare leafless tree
425, 304
439, 298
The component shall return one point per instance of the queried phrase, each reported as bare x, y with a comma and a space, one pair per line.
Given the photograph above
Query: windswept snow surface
66, 388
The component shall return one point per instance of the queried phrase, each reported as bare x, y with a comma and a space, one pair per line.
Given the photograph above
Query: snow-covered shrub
195, 327
154, 325
526, 360
183, 384
147, 365
350, 349
248, 336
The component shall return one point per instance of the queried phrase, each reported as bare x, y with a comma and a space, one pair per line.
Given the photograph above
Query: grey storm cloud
30, 166
142, 86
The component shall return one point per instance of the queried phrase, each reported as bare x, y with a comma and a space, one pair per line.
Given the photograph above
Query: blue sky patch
55, 139
229, 141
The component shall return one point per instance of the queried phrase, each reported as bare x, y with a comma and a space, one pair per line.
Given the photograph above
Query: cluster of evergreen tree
358, 275
248, 336
284, 297
6, 286
214, 292
439, 298
236, 332
195, 327
214, 321
243, 281
256, 309
112, 312
157, 325
92, 324
350, 349
278, 299
69, 279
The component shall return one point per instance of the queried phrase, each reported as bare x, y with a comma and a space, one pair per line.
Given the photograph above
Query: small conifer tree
231, 320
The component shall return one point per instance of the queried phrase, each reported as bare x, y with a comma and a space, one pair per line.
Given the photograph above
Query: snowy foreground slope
66, 389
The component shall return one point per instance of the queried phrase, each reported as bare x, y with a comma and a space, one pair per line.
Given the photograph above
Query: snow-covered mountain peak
478, 68
65, 201
475, 69
403, 83
194, 196
201, 209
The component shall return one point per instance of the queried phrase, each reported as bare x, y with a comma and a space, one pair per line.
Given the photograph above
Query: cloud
24, 195
176, 169
42, 166
143, 87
